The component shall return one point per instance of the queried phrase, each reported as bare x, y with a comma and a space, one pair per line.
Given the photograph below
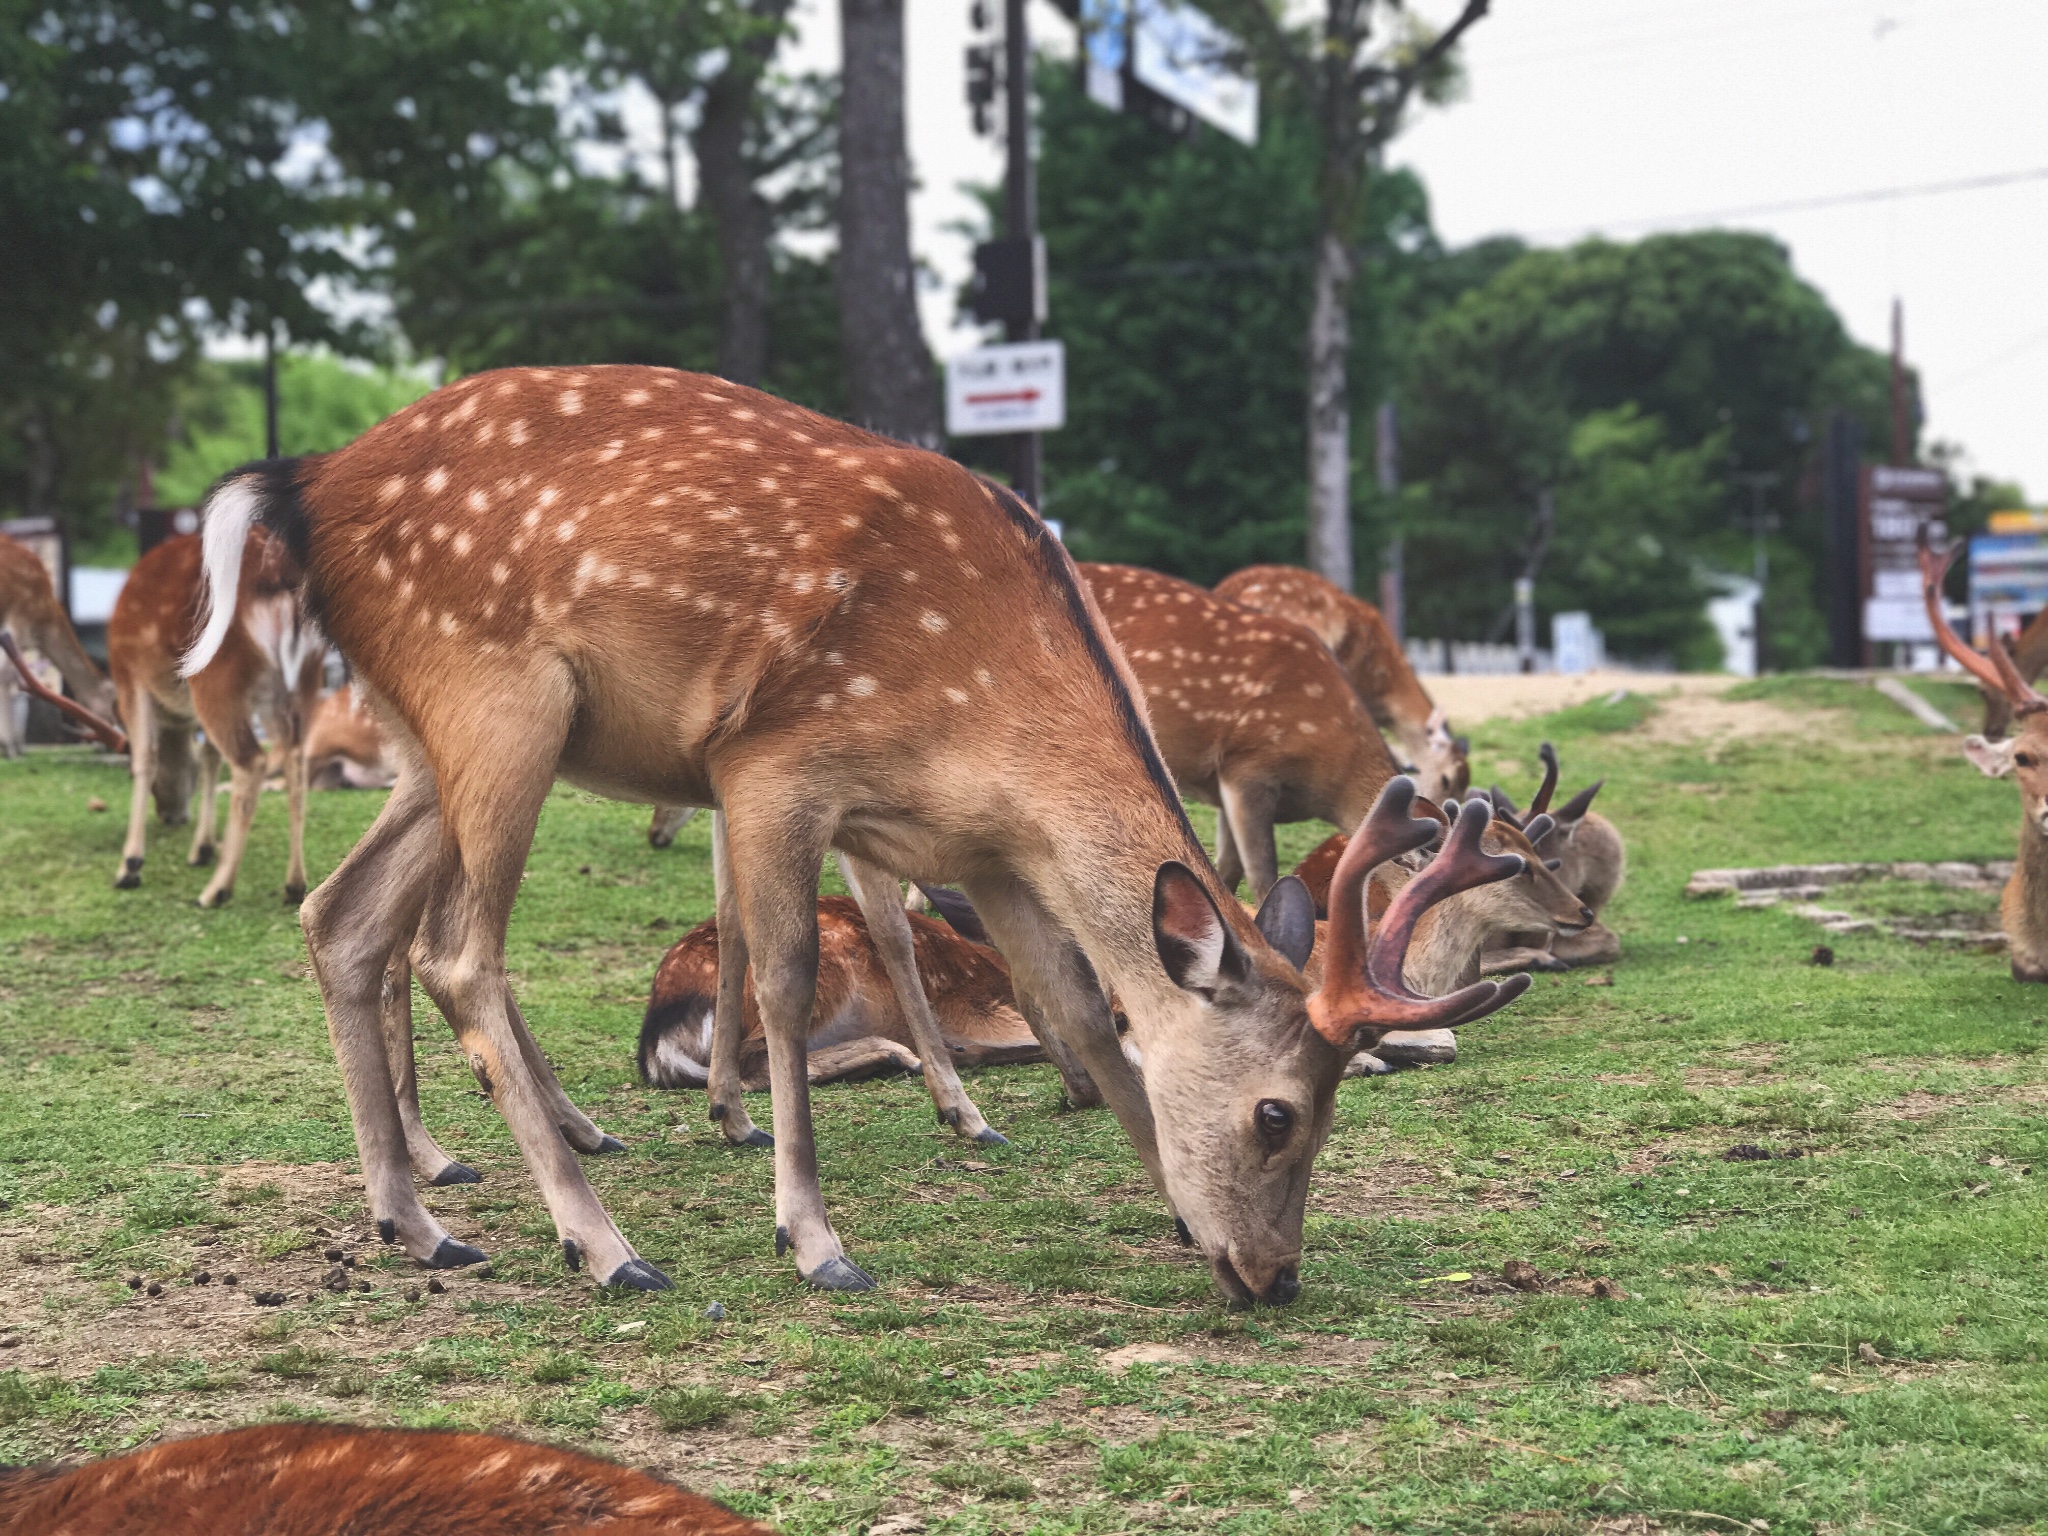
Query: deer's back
26, 596
339, 1480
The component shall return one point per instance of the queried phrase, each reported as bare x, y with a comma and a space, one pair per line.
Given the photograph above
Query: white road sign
1017, 386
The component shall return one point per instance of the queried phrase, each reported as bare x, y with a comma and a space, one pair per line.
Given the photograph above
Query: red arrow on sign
1026, 395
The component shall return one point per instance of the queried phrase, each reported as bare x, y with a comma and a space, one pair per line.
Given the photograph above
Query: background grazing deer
859, 1026
267, 660
342, 1480
1372, 659
2029, 651
1591, 860
673, 589
2023, 909
1252, 714
29, 608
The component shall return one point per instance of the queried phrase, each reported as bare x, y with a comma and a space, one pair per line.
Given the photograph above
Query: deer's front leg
140, 710
777, 866
728, 1015
1248, 812
881, 903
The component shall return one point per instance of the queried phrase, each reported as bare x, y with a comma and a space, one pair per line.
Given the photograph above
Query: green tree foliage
150, 188
1728, 362
1180, 285
323, 403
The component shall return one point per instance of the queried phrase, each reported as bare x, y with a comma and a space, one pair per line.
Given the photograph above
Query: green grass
168, 1104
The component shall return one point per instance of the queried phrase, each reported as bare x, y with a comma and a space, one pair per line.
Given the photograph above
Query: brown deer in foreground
30, 610
2023, 910
1591, 860
342, 1480
1372, 659
266, 659
673, 589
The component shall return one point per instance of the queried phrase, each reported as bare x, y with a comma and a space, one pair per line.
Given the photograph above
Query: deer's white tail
231, 511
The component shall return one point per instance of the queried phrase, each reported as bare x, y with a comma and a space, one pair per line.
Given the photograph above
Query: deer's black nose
1285, 1287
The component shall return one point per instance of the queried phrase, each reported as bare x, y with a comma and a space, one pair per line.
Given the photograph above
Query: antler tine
1503, 807
1459, 866
1987, 670
1388, 831
1537, 828
110, 735
1541, 803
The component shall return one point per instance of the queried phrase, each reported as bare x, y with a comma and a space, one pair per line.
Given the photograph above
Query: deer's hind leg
138, 708
881, 903
429, 1161
490, 799
775, 851
207, 783
356, 921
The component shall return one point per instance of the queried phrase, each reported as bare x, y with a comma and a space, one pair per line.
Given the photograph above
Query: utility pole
1761, 522
270, 389
1393, 572
1902, 436
1020, 217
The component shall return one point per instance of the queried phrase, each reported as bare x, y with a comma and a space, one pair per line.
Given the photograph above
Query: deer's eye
2024, 759
1273, 1119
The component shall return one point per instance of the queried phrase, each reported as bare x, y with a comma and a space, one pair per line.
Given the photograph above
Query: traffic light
1009, 283
981, 84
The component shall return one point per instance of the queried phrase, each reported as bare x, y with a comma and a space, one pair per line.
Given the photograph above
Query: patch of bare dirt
1378, 1192
1469, 697
1730, 1077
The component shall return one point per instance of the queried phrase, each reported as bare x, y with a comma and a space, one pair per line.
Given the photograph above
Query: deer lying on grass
1372, 659
859, 1025
30, 610
345, 746
342, 1480
266, 660
2023, 909
1591, 860
673, 589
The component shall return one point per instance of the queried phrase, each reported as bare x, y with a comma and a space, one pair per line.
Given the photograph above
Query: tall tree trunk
738, 211
1329, 412
888, 370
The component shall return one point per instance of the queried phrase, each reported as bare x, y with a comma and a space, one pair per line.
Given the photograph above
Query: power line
1803, 205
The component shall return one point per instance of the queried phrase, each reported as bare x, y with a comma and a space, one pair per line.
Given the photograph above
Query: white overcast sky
1620, 116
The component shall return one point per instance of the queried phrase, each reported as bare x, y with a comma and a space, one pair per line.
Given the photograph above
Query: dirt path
1471, 697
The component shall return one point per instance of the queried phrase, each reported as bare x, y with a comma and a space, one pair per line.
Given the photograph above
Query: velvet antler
109, 734
1362, 991
1995, 671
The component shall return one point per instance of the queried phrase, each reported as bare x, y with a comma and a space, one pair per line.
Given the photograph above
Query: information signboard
1015, 386
1170, 54
2008, 575
1901, 507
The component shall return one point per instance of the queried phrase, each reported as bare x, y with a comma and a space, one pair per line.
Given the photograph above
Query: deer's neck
55, 638
2030, 869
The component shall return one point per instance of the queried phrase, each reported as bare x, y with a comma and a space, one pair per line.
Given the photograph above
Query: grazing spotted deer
265, 659
1591, 860
667, 821
30, 610
673, 589
343, 1480
1372, 659
2023, 909
859, 1025
1252, 714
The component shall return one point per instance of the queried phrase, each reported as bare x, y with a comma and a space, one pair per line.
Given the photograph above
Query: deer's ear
1993, 758
1287, 917
1195, 945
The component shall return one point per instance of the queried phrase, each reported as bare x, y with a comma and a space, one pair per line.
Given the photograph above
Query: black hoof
756, 1138
453, 1255
456, 1173
202, 856
130, 876
294, 894
839, 1275
219, 901
608, 1144
639, 1275
989, 1136
1180, 1230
